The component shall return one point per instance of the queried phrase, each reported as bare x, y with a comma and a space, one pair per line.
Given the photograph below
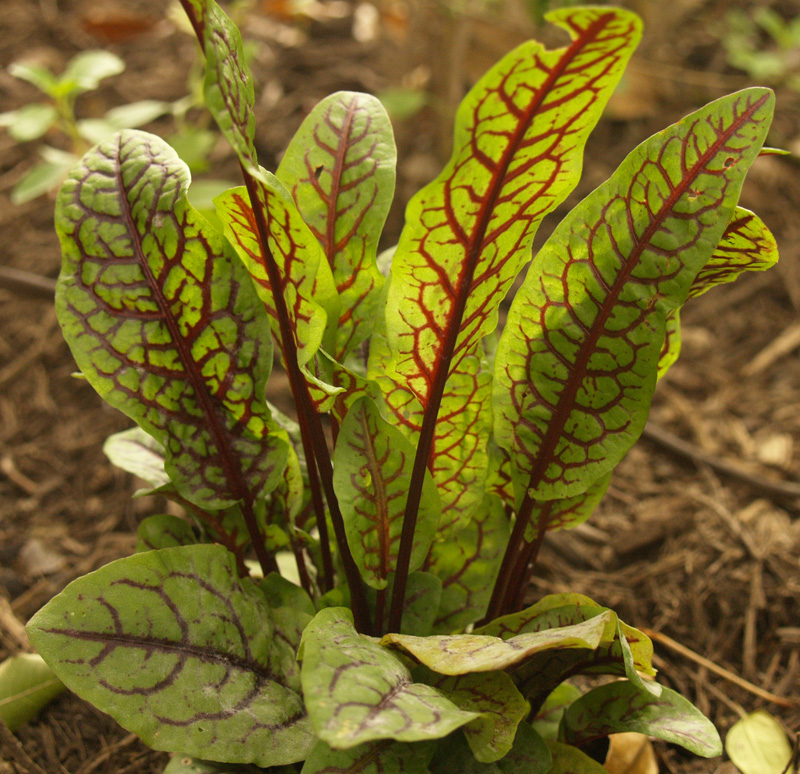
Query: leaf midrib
566, 401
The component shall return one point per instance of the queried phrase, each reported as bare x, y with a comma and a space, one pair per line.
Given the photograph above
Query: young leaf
30, 121
622, 706
86, 69
577, 362
182, 652
460, 654
44, 177
757, 744
163, 321
340, 169
297, 254
518, 148
372, 473
136, 452
384, 757
27, 685
548, 718
357, 691
467, 567
500, 704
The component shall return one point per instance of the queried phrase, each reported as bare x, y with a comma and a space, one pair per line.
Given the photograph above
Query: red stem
314, 442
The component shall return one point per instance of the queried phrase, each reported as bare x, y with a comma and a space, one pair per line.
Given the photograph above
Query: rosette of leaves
394, 640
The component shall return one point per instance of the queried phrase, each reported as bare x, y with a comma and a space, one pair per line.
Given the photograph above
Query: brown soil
678, 547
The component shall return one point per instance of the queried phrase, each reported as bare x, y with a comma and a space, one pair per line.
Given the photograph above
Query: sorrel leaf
384, 757
459, 457
529, 755
182, 652
423, 597
163, 530
577, 361
27, 685
517, 153
468, 566
297, 255
357, 691
548, 717
372, 474
460, 654
136, 452
163, 321
746, 245
228, 86
571, 760
501, 707
622, 706
340, 169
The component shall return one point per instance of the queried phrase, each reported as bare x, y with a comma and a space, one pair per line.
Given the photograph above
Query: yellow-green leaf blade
518, 151
577, 362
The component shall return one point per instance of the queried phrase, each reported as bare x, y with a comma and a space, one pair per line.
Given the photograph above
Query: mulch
701, 557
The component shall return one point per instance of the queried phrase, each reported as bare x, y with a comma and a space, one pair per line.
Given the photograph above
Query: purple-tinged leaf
467, 567
622, 706
518, 148
423, 597
500, 704
566, 513
164, 322
297, 254
182, 652
384, 757
357, 691
340, 169
577, 361
372, 473
460, 654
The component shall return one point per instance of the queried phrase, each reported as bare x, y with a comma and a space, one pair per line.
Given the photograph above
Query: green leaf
468, 566
577, 361
164, 531
86, 69
548, 717
519, 141
163, 321
501, 707
567, 512
757, 744
421, 603
37, 75
27, 685
185, 764
529, 755
136, 452
296, 252
29, 122
228, 86
746, 245
459, 459
459, 654
372, 475
130, 116
42, 178
181, 651
382, 757
570, 760
194, 144
623, 706
340, 169
357, 691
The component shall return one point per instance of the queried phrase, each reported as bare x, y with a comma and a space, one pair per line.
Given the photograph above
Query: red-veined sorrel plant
394, 641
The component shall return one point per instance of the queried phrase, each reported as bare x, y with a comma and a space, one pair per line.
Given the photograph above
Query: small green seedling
362, 609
